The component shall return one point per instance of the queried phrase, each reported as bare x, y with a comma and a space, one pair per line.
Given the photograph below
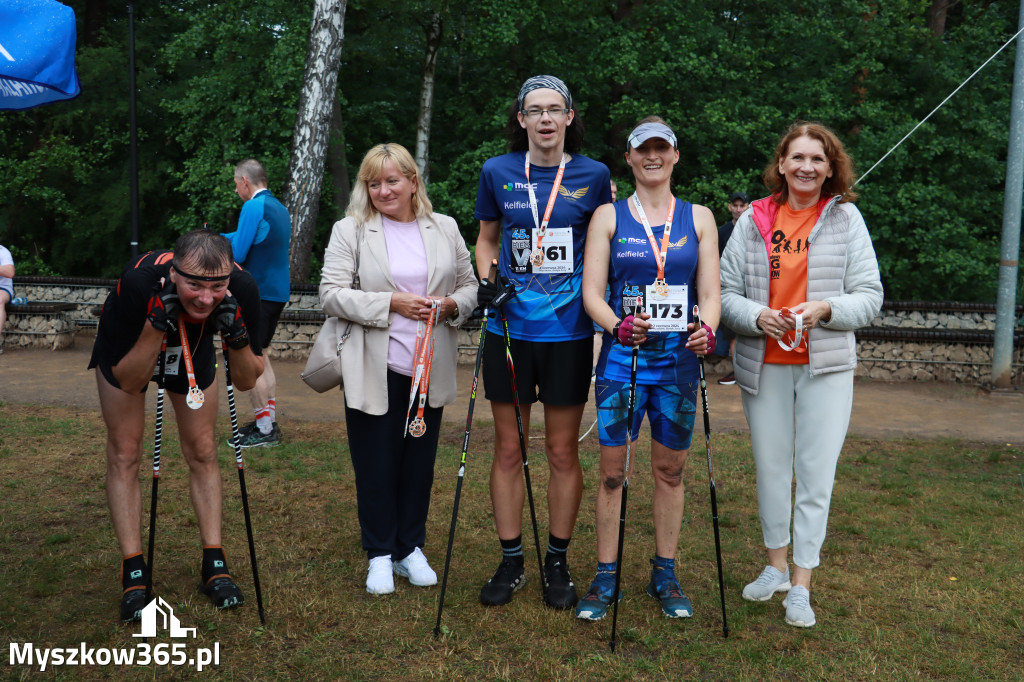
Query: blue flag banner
37, 53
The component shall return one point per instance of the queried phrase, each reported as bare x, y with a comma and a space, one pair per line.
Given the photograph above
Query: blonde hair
372, 168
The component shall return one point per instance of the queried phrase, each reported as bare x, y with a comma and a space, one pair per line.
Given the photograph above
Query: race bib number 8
668, 307
557, 249
172, 362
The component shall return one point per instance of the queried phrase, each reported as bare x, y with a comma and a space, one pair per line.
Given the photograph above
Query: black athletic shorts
555, 372
175, 376
270, 313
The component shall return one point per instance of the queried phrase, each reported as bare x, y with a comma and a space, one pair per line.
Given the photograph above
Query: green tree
219, 80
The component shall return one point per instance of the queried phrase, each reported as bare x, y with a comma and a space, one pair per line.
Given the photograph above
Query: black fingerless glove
163, 308
491, 295
228, 320
486, 293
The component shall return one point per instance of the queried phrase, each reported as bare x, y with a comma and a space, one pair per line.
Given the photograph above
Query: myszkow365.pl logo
158, 615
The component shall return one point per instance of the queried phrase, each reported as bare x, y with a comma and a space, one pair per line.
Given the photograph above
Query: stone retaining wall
955, 362
889, 360
83, 297
36, 328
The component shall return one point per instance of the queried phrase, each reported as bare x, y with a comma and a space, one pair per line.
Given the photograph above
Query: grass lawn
921, 575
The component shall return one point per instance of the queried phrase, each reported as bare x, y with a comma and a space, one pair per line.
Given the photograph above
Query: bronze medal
417, 428
195, 398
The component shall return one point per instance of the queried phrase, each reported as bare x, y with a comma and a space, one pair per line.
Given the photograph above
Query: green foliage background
219, 81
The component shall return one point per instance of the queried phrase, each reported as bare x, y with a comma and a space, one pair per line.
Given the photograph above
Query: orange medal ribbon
659, 255
537, 257
424, 355
195, 397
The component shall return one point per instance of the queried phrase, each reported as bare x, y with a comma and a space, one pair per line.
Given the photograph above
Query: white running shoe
798, 607
379, 579
768, 583
416, 569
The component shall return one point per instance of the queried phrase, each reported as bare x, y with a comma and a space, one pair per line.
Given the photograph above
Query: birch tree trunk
312, 130
434, 31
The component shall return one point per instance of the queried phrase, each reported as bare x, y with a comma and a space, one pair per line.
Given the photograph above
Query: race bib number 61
557, 248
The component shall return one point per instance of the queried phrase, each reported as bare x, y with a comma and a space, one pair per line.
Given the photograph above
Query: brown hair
519, 141
203, 249
839, 161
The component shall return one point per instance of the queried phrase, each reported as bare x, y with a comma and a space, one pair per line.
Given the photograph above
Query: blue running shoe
665, 588
594, 606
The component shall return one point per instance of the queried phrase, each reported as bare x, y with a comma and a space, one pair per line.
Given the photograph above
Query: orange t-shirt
787, 262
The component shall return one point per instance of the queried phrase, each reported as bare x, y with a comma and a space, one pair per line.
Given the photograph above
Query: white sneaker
416, 569
798, 607
379, 579
770, 581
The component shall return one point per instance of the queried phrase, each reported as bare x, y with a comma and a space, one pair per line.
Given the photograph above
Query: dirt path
880, 410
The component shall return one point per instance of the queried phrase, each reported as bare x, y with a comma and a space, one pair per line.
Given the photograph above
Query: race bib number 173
668, 307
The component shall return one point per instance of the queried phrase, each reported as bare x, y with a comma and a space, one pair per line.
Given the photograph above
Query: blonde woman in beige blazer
385, 262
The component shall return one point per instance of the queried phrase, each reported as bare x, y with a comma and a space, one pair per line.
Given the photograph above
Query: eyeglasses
537, 113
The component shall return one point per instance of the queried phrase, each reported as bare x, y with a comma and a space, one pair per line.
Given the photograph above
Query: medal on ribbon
424, 358
660, 286
194, 398
537, 256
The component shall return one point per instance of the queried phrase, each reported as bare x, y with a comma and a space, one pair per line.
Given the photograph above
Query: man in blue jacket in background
261, 245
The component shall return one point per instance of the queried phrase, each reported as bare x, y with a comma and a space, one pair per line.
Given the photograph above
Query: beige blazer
364, 357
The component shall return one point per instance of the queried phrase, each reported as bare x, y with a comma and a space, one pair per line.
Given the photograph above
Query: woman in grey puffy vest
799, 275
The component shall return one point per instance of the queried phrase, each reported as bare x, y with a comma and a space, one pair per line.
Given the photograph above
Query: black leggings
394, 472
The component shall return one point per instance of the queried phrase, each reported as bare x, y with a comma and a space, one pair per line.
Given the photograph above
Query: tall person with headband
534, 205
180, 298
662, 251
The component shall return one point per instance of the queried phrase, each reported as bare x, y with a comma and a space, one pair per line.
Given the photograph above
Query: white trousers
797, 423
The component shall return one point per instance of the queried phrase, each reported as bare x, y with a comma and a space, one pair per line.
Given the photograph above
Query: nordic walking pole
241, 483
625, 485
462, 461
157, 443
499, 303
711, 475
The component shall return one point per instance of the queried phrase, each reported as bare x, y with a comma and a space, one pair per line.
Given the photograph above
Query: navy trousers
394, 472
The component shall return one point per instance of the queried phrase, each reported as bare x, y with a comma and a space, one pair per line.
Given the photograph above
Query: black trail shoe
223, 592
559, 590
132, 603
510, 576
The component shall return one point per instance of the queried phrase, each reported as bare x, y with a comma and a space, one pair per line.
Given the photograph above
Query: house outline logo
159, 614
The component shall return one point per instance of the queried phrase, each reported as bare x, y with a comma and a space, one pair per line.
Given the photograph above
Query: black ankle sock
558, 545
214, 563
133, 571
512, 549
